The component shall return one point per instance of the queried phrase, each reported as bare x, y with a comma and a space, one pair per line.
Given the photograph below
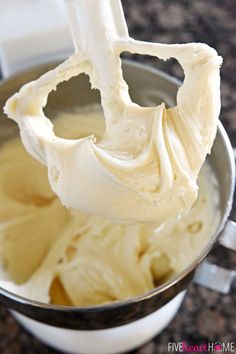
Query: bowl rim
176, 278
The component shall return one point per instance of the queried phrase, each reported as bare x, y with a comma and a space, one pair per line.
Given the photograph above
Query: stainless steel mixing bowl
146, 85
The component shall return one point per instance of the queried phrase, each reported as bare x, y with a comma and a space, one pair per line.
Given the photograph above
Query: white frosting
145, 167
51, 254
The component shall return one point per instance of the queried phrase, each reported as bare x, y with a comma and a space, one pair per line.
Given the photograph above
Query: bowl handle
213, 276
228, 236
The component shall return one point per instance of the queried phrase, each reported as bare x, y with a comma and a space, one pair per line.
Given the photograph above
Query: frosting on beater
146, 165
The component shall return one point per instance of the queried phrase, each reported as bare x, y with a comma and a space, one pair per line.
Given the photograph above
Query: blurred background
205, 315
180, 21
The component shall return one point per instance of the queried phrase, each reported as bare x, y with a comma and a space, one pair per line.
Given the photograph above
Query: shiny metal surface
214, 277
228, 237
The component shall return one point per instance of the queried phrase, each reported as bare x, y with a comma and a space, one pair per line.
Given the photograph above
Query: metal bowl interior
146, 85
